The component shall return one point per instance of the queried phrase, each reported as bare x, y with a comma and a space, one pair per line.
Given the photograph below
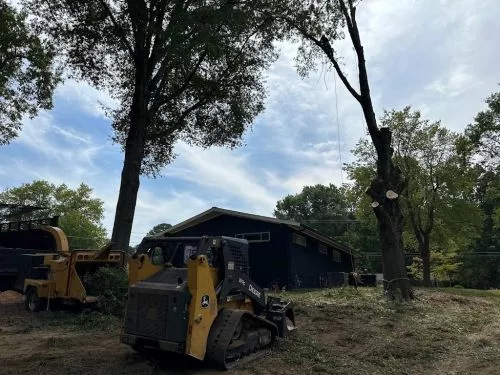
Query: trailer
21, 238
40, 265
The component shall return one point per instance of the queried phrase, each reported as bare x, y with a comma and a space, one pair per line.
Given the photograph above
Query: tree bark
389, 215
389, 177
423, 239
134, 155
396, 283
425, 254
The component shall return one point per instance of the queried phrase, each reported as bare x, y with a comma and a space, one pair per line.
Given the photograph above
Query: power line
338, 127
470, 255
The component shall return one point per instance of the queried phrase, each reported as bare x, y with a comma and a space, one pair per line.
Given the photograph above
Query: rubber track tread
220, 337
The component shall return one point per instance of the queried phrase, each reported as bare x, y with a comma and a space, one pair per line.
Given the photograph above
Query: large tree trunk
425, 254
388, 212
134, 154
390, 224
423, 239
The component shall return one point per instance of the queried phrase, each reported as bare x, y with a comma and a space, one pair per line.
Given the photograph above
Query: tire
140, 349
33, 302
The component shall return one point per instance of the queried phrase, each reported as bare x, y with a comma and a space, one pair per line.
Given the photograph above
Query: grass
490, 294
344, 331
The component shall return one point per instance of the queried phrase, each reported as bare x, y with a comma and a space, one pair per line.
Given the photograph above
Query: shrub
110, 285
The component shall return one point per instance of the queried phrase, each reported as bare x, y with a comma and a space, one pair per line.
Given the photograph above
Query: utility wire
338, 127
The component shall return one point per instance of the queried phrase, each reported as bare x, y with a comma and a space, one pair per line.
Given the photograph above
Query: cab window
188, 251
157, 256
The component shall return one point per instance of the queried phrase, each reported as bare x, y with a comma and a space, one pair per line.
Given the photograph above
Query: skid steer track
238, 337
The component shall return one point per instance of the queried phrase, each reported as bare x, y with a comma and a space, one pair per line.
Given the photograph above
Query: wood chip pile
9, 297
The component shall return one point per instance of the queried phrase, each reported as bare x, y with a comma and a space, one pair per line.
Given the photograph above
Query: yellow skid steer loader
194, 296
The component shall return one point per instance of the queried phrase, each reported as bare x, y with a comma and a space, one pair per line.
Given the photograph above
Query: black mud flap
282, 314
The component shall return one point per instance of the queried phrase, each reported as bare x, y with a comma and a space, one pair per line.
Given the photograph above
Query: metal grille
152, 315
240, 261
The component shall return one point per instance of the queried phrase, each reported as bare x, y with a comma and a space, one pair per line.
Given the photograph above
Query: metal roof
217, 211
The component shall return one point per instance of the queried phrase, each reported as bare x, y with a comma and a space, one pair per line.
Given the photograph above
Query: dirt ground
339, 332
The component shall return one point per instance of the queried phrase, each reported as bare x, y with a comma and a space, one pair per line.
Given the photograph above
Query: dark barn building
280, 251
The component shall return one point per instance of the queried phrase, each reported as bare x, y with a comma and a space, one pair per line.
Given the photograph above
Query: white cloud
40, 135
456, 82
73, 136
294, 183
85, 97
172, 207
222, 172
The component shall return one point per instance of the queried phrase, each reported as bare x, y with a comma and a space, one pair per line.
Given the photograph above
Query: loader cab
173, 254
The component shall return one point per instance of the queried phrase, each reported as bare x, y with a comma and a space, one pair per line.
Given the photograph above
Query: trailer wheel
140, 349
33, 302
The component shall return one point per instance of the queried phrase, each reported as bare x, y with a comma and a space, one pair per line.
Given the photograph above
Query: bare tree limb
157, 100
119, 29
324, 44
151, 27
160, 38
363, 75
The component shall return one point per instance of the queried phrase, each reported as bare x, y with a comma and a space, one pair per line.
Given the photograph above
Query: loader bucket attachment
282, 314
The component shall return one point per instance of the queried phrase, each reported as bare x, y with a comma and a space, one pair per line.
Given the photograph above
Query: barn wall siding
308, 263
267, 259
279, 260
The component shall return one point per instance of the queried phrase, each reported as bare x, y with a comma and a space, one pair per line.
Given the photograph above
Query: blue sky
440, 56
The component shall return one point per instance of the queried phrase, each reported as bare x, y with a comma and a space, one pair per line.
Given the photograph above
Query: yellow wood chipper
60, 276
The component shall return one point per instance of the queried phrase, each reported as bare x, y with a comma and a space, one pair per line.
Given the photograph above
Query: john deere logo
205, 301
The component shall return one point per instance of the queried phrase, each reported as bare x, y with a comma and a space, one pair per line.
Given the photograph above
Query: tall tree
325, 208
183, 69
27, 74
435, 202
362, 235
80, 213
482, 138
319, 23
480, 145
159, 228
482, 266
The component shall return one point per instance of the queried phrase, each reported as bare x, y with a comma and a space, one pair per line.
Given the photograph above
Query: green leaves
325, 208
81, 214
27, 74
192, 68
483, 137
441, 215
159, 228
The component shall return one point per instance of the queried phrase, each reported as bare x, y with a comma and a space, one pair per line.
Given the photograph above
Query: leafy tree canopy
198, 64
438, 206
159, 228
80, 214
325, 208
27, 74
482, 138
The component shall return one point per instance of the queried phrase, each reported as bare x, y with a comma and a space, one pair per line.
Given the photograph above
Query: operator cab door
172, 254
